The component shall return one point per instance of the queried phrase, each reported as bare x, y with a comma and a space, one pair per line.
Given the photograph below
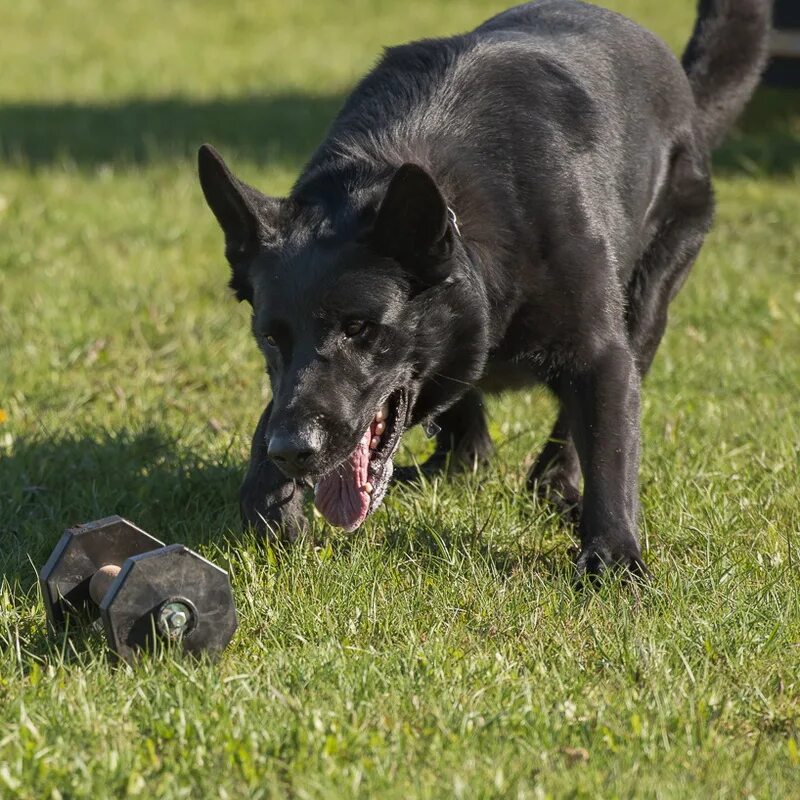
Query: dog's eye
270, 340
354, 328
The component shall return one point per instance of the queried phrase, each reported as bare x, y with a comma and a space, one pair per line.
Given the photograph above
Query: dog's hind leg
655, 283
686, 208
463, 442
555, 475
270, 502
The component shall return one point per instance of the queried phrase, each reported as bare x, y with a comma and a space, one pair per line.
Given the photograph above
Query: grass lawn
440, 651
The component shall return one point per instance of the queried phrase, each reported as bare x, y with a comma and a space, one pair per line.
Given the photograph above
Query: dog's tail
724, 60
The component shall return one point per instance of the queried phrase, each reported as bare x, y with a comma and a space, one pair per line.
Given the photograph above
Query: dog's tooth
379, 415
380, 428
368, 487
374, 442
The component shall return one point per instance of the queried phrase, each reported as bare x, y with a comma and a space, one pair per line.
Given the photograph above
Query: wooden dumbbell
140, 589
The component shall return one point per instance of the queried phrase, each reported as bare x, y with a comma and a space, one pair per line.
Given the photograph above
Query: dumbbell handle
174, 616
101, 580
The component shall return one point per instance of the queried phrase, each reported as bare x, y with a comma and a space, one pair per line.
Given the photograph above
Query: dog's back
552, 111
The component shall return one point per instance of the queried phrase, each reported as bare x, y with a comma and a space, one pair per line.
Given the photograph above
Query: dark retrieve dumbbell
140, 588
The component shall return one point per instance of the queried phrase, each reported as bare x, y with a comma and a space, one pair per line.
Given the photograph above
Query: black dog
515, 205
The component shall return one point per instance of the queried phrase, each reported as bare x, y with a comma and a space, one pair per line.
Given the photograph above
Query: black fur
512, 206
724, 60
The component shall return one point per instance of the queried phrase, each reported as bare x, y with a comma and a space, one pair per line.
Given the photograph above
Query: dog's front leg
269, 501
602, 399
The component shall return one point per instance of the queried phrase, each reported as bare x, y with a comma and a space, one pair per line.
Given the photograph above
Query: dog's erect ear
412, 223
244, 214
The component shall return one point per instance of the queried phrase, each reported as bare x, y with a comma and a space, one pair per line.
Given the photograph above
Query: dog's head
357, 313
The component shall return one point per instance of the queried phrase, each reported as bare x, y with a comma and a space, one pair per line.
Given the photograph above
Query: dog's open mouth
348, 494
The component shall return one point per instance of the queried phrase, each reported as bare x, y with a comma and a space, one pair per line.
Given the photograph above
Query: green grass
441, 650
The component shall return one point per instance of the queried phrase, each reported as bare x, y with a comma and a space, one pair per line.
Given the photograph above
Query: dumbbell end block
80, 552
154, 586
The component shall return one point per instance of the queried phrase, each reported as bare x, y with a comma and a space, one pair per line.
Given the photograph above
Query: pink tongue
339, 496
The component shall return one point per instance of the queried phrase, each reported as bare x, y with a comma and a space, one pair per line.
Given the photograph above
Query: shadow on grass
507, 561
47, 485
541, 544
282, 128
286, 128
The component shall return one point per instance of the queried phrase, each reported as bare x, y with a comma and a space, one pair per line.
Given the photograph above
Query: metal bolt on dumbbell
174, 619
140, 588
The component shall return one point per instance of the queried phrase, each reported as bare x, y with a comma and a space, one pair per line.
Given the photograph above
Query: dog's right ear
243, 213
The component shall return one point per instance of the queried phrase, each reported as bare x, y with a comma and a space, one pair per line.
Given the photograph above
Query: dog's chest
500, 376
536, 341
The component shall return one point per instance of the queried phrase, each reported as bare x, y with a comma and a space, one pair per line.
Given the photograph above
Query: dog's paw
413, 473
599, 557
288, 530
562, 495
277, 517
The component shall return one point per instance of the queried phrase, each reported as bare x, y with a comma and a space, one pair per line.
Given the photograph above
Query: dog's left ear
244, 214
412, 225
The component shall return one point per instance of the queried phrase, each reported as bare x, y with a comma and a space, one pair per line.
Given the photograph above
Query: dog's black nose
292, 451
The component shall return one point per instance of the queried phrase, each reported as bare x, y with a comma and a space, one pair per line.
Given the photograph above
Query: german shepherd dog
511, 206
